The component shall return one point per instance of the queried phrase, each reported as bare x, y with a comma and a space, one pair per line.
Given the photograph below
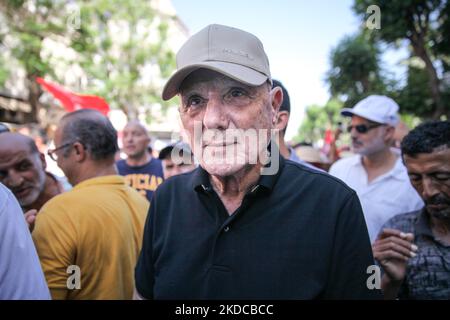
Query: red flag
73, 101
329, 138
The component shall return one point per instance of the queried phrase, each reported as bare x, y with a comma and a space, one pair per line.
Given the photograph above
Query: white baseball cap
380, 109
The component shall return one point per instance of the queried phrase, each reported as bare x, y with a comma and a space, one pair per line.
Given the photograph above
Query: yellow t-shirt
98, 227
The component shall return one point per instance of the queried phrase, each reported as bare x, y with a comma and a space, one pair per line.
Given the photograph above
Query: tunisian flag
73, 101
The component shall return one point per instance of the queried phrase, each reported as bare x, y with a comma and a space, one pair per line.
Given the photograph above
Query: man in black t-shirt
242, 226
140, 169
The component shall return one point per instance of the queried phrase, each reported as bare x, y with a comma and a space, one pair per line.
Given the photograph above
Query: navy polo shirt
299, 234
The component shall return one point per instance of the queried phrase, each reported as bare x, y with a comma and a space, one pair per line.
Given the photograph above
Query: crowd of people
233, 212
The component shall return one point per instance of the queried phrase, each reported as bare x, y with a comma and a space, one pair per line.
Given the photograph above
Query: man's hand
392, 250
30, 218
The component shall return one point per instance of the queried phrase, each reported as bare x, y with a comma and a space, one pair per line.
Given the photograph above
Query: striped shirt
428, 273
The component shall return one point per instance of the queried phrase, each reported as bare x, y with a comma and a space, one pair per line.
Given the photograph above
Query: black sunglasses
364, 128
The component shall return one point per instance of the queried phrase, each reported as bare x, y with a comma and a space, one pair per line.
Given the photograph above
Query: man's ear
282, 120
42, 158
276, 96
389, 134
80, 152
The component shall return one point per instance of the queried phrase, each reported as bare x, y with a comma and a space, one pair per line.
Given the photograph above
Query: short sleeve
55, 243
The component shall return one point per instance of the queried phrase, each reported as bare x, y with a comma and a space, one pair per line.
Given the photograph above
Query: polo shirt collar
422, 225
201, 182
397, 172
111, 179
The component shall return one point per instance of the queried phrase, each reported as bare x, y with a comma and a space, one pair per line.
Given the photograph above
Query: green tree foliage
355, 70
120, 44
24, 26
425, 25
318, 119
415, 97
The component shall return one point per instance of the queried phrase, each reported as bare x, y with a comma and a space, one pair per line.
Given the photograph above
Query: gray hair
93, 130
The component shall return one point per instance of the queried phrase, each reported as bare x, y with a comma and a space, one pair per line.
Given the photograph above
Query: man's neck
95, 171
441, 229
139, 160
232, 189
284, 150
377, 164
51, 188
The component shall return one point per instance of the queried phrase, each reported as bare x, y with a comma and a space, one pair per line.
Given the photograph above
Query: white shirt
21, 275
386, 196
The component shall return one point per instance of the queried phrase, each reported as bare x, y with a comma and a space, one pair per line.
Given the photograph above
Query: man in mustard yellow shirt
88, 239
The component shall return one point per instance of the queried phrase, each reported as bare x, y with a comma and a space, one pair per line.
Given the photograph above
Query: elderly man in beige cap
245, 223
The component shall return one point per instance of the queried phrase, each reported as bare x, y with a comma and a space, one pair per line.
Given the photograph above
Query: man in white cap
376, 172
235, 228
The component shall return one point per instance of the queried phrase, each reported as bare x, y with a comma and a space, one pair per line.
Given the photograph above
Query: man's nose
215, 116
354, 138
429, 188
354, 133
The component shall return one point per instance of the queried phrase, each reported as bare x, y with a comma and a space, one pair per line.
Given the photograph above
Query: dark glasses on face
363, 128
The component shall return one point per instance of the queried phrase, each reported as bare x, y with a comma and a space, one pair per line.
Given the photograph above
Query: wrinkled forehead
13, 144
355, 119
204, 78
135, 127
14, 157
439, 159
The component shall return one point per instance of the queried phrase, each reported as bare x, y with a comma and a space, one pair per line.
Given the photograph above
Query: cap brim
347, 112
236, 72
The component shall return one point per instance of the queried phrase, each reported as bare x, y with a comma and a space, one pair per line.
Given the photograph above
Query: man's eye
23, 166
442, 176
236, 93
414, 178
238, 97
3, 174
194, 101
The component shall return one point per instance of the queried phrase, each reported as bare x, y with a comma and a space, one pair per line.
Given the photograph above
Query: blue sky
297, 36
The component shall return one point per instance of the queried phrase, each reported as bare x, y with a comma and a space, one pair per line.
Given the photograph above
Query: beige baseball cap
232, 52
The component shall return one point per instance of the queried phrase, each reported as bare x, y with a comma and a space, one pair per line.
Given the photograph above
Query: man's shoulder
5, 197
183, 181
155, 164
121, 164
345, 163
64, 202
155, 161
316, 179
9, 208
137, 198
403, 221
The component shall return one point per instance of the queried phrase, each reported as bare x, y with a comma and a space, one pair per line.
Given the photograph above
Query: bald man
142, 172
22, 170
